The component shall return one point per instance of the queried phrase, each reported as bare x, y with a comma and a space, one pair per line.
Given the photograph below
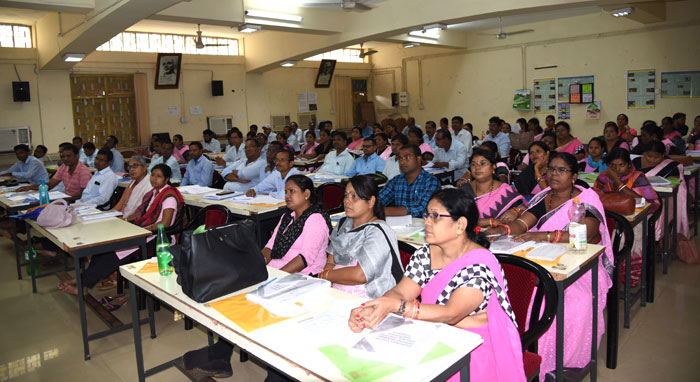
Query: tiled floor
40, 335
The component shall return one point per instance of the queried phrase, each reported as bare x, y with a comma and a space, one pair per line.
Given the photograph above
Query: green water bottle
165, 266
30, 270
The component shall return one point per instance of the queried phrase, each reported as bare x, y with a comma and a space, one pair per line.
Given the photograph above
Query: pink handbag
56, 215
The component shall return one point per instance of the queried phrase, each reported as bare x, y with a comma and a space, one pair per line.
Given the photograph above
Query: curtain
142, 112
343, 102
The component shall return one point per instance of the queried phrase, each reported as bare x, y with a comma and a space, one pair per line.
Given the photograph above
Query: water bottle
165, 266
30, 270
44, 193
577, 228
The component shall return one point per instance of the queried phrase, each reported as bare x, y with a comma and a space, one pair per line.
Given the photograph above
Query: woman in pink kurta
299, 241
357, 139
566, 143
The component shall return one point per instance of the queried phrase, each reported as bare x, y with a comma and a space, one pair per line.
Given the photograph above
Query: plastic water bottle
44, 193
30, 270
165, 266
577, 228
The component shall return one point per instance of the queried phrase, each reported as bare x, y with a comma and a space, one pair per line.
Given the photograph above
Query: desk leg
81, 304
651, 265
666, 237
695, 202
18, 251
258, 230
560, 333
32, 259
594, 329
674, 227
464, 374
643, 285
137, 331
628, 286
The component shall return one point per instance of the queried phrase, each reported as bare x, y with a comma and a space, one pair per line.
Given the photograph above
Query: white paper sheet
399, 221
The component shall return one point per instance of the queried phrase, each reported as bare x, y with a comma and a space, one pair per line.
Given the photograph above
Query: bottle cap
160, 226
577, 200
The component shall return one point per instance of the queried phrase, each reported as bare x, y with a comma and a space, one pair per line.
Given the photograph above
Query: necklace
478, 193
551, 196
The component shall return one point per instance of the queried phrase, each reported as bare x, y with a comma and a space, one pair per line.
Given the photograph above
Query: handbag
618, 203
56, 215
218, 261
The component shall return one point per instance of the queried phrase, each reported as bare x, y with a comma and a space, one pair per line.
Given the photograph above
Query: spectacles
281, 160
351, 197
435, 216
480, 164
558, 170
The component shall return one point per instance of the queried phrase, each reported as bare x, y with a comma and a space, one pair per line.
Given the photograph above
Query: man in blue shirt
338, 161
366, 129
495, 134
273, 184
369, 163
88, 154
409, 193
199, 170
103, 183
118, 162
27, 168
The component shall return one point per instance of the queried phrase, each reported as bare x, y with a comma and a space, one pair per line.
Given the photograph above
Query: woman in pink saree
566, 143
546, 219
460, 283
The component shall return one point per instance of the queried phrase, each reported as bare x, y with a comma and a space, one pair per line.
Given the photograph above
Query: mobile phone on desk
222, 193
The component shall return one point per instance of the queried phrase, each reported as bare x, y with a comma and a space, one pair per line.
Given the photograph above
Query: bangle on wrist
549, 237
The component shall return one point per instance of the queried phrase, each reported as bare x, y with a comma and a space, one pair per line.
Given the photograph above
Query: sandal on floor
113, 303
106, 285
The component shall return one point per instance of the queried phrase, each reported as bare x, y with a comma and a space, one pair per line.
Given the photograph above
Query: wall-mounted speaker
217, 88
20, 91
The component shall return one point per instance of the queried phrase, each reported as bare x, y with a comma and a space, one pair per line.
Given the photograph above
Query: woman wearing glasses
546, 219
363, 254
460, 283
497, 201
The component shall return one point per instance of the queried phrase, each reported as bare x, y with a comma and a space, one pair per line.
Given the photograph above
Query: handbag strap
396, 268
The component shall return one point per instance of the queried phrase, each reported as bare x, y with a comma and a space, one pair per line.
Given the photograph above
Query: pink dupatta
500, 357
497, 202
570, 147
681, 210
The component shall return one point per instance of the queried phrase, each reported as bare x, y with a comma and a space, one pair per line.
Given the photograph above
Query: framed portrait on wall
168, 70
325, 73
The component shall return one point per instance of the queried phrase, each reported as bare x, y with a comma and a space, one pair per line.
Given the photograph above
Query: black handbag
219, 261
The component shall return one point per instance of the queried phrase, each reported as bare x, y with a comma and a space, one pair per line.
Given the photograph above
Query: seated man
199, 170
78, 142
245, 173
101, 186
40, 152
273, 184
89, 153
72, 174
235, 148
210, 144
369, 163
338, 161
495, 134
450, 153
118, 162
392, 163
165, 149
27, 168
269, 135
409, 193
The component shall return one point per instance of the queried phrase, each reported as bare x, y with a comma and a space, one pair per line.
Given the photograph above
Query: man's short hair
445, 133
106, 153
341, 134
678, 116
208, 132
42, 148
70, 147
234, 131
495, 119
255, 141
89, 146
290, 154
401, 138
116, 141
276, 144
78, 138
197, 143
414, 149
22, 147
458, 118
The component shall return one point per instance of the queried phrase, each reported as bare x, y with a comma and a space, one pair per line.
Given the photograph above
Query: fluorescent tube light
248, 28
411, 44
73, 57
273, 15
288, 63
426, 33
622, 12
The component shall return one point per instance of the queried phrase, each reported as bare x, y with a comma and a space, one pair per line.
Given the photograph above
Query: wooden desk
307, 164
12, 208
93, 238
285, 345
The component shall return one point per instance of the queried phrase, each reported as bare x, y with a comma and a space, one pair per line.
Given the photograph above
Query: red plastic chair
332, 195
405, 252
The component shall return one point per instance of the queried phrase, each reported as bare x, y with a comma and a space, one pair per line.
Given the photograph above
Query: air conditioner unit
278, 122
12, 136
220, 125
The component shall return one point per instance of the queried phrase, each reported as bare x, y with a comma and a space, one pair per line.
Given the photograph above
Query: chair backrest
515, 157
523, 276
405, 252
218, 181
113, 200
183, 170
619, 229
331, 196
211, 216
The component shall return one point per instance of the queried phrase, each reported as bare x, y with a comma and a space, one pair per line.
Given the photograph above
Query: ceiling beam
70, 6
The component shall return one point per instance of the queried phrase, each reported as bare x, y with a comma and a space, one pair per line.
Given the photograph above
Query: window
168, 43
340, 55
15, 36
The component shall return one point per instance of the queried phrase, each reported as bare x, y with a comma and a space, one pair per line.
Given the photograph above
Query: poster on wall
545, 95
522, 100
307, 102
641, 89
563, 110
593, 110
563, 84
680, 84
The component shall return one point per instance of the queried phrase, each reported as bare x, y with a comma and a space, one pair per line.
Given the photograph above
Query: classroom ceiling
80, 26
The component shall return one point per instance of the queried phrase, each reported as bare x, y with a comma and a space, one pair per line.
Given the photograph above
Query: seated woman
622, 178
383, 145
613, 140
282, 139
670, 131
546, 219
502, 171
308, 147
497, 201
459, 283
566, 143
357, 139
595, 162
300, 247
363, 254
138, 187
415, 137
159, 206
627, 133
181, 151
694, 135
323, 147
533, 178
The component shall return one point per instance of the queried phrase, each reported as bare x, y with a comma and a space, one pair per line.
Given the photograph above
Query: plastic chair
405, 252
523, 276
218, 181
332, 195
113, 200
619, 228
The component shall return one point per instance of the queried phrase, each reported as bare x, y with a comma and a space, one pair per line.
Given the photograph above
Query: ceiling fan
198, 40
369, 51
347, 5
501, 35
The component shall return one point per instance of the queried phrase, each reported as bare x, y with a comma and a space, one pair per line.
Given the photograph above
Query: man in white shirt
271, 137
118, 162
410, 122
462, 135
297, 133
246, 173
450, 153
429, 136
391, 167
338, 161
291, 138
273, 184
210, 144
235, 148
166, 156
103, 183
89, 152
78, 142
500, 138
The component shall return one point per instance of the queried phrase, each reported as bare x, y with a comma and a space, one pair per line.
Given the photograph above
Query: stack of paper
260, 199
196, 190
221, 197
53, 195
546, 252
399, 221
658, 181
280, 296
95, 214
